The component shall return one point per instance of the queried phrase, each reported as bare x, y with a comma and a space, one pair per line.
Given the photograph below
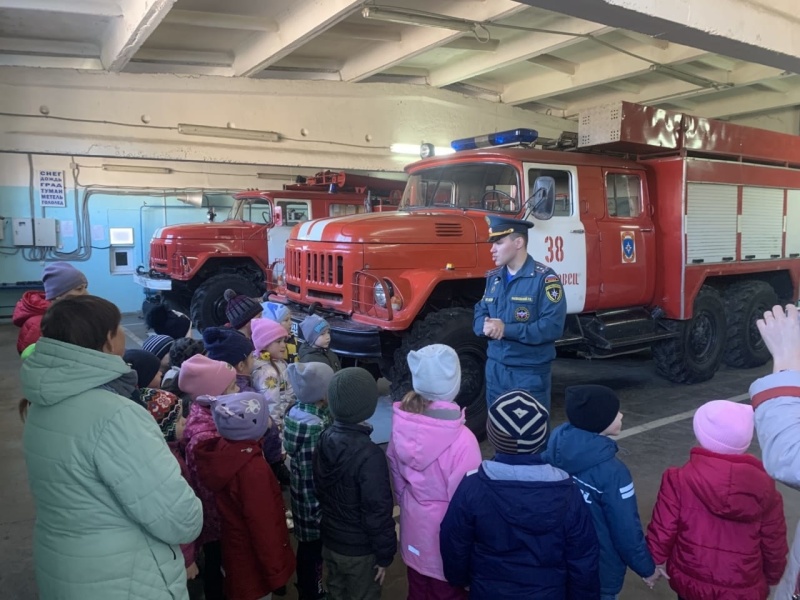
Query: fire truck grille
449, 230
158, 255
325, 268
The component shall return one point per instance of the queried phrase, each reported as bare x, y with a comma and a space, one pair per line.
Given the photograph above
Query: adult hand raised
780, 330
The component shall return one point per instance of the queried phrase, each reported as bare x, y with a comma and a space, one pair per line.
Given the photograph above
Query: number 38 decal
555, 248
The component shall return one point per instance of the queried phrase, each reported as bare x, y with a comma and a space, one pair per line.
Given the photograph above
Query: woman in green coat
111, 505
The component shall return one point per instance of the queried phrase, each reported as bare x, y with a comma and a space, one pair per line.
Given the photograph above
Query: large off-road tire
695, 354
745, 303
208, 300
453, 327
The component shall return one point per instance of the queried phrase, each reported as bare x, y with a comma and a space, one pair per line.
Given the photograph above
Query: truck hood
390, 228
226, 230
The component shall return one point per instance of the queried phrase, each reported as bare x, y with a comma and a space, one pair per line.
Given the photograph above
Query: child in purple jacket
429, 452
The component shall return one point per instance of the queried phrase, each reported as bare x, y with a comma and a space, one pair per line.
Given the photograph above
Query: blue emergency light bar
502, 138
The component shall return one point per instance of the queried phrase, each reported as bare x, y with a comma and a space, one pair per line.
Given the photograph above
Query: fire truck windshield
481, 186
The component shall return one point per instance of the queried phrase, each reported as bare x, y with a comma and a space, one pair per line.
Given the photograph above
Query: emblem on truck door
628, 247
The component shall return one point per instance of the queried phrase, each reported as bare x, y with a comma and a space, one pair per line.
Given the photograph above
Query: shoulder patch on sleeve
627, 491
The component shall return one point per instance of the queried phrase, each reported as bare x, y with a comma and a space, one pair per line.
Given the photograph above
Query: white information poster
51, 189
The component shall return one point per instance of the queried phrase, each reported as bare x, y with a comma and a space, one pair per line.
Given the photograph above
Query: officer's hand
493, 328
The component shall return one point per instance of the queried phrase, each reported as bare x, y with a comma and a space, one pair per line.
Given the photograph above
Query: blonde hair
414, 403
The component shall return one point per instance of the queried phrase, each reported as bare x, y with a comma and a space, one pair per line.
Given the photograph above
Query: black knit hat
164, 321
241, 309
517, 424
146, 364
183, 349
591, 407
226, 344
352, 395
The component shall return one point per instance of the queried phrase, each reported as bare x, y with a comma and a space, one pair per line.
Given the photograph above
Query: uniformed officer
522, 312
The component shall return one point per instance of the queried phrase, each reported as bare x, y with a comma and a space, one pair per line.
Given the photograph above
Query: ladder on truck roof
349, 182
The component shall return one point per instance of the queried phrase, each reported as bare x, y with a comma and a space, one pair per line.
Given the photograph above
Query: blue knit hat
227, 345
158, 344
240, 309
274, 311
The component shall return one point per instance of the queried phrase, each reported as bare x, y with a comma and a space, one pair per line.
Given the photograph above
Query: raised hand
780, 330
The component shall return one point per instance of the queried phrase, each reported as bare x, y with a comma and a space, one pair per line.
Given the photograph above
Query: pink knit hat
724, 427
200, 375
264, 332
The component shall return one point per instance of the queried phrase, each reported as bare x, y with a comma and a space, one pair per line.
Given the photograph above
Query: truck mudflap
152, 283
348, 338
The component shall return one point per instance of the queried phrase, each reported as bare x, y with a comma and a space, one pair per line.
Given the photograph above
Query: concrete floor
647, 401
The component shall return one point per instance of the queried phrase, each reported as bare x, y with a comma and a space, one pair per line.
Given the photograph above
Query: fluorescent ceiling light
394, 15
229, 132
137, 169
414, 149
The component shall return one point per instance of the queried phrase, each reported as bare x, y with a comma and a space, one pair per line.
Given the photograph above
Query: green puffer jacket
111, 505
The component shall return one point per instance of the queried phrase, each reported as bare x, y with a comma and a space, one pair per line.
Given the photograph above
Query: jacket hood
419, 440
335, 456
57, 371
218, 460
535, 502
575, 450
733, 487
31, 304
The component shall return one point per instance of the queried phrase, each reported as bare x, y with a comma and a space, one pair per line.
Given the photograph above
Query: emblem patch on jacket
522, 314
554, 292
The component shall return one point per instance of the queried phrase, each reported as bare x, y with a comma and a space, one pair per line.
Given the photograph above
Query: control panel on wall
34, 232
121, 250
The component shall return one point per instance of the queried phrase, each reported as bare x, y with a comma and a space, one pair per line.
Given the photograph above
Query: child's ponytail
414, 403
22, 407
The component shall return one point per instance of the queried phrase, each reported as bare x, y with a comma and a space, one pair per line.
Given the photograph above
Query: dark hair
22, 407
84, 321
516, 235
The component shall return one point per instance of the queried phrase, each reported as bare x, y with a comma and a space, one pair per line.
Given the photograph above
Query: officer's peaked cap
500, 227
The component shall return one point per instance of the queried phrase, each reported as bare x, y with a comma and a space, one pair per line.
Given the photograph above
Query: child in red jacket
256, 554
718, 521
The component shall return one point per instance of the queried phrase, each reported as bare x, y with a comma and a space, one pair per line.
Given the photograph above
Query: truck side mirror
542, 202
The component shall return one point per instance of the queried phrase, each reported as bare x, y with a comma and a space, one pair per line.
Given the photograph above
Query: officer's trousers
533, 379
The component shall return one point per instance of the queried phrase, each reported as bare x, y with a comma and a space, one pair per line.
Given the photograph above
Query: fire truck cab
669, 232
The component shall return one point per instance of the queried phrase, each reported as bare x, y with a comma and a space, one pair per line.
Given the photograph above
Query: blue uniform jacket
518, 528
533, 308
607, 488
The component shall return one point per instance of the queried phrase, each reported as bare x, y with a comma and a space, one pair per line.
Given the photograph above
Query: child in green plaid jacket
303, 425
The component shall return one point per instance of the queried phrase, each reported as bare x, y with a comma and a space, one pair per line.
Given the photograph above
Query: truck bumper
348, 338
151, 283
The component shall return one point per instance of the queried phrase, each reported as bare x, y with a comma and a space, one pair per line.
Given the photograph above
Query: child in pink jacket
429, 452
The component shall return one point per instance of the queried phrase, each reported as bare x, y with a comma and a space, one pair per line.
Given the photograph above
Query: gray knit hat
309, 381
517, 424
352, 395
59, 278
312, 327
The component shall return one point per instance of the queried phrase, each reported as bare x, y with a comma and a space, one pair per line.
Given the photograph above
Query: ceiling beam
751, 103
418, 40
470, 43
52, 62
363, 32
126, 34
517, 49
96, 8
186, 57
608, 66
624, 86
659, 43
135, 66
210, 20
305, 20
719, 62
553, 63
48, 48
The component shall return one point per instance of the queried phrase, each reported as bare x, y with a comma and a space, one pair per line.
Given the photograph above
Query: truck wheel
453, 327
745, 303
696, 353
208, 300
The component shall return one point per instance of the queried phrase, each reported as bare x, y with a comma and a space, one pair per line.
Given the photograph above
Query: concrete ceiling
499, 50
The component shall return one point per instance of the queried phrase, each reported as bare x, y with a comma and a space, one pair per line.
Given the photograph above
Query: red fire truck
192, 265
669, 232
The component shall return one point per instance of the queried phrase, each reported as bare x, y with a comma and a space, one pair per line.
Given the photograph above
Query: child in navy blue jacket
584, 449
518, 527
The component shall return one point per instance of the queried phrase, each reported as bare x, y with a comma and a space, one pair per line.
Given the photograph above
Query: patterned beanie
201, 376
312, 327
517, 424
309, 381
146, 364
435, 372
240, 417
352, 395
591, 407
160, 345
240, 309
164, 321
724, 427
166, 409
61, 277
274, 311
265, 332
226, 344
183, 349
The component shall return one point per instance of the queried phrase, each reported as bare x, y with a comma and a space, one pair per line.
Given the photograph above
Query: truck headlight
380, 293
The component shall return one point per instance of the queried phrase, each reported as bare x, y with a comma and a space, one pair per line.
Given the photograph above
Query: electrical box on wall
44, 233
22, 232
